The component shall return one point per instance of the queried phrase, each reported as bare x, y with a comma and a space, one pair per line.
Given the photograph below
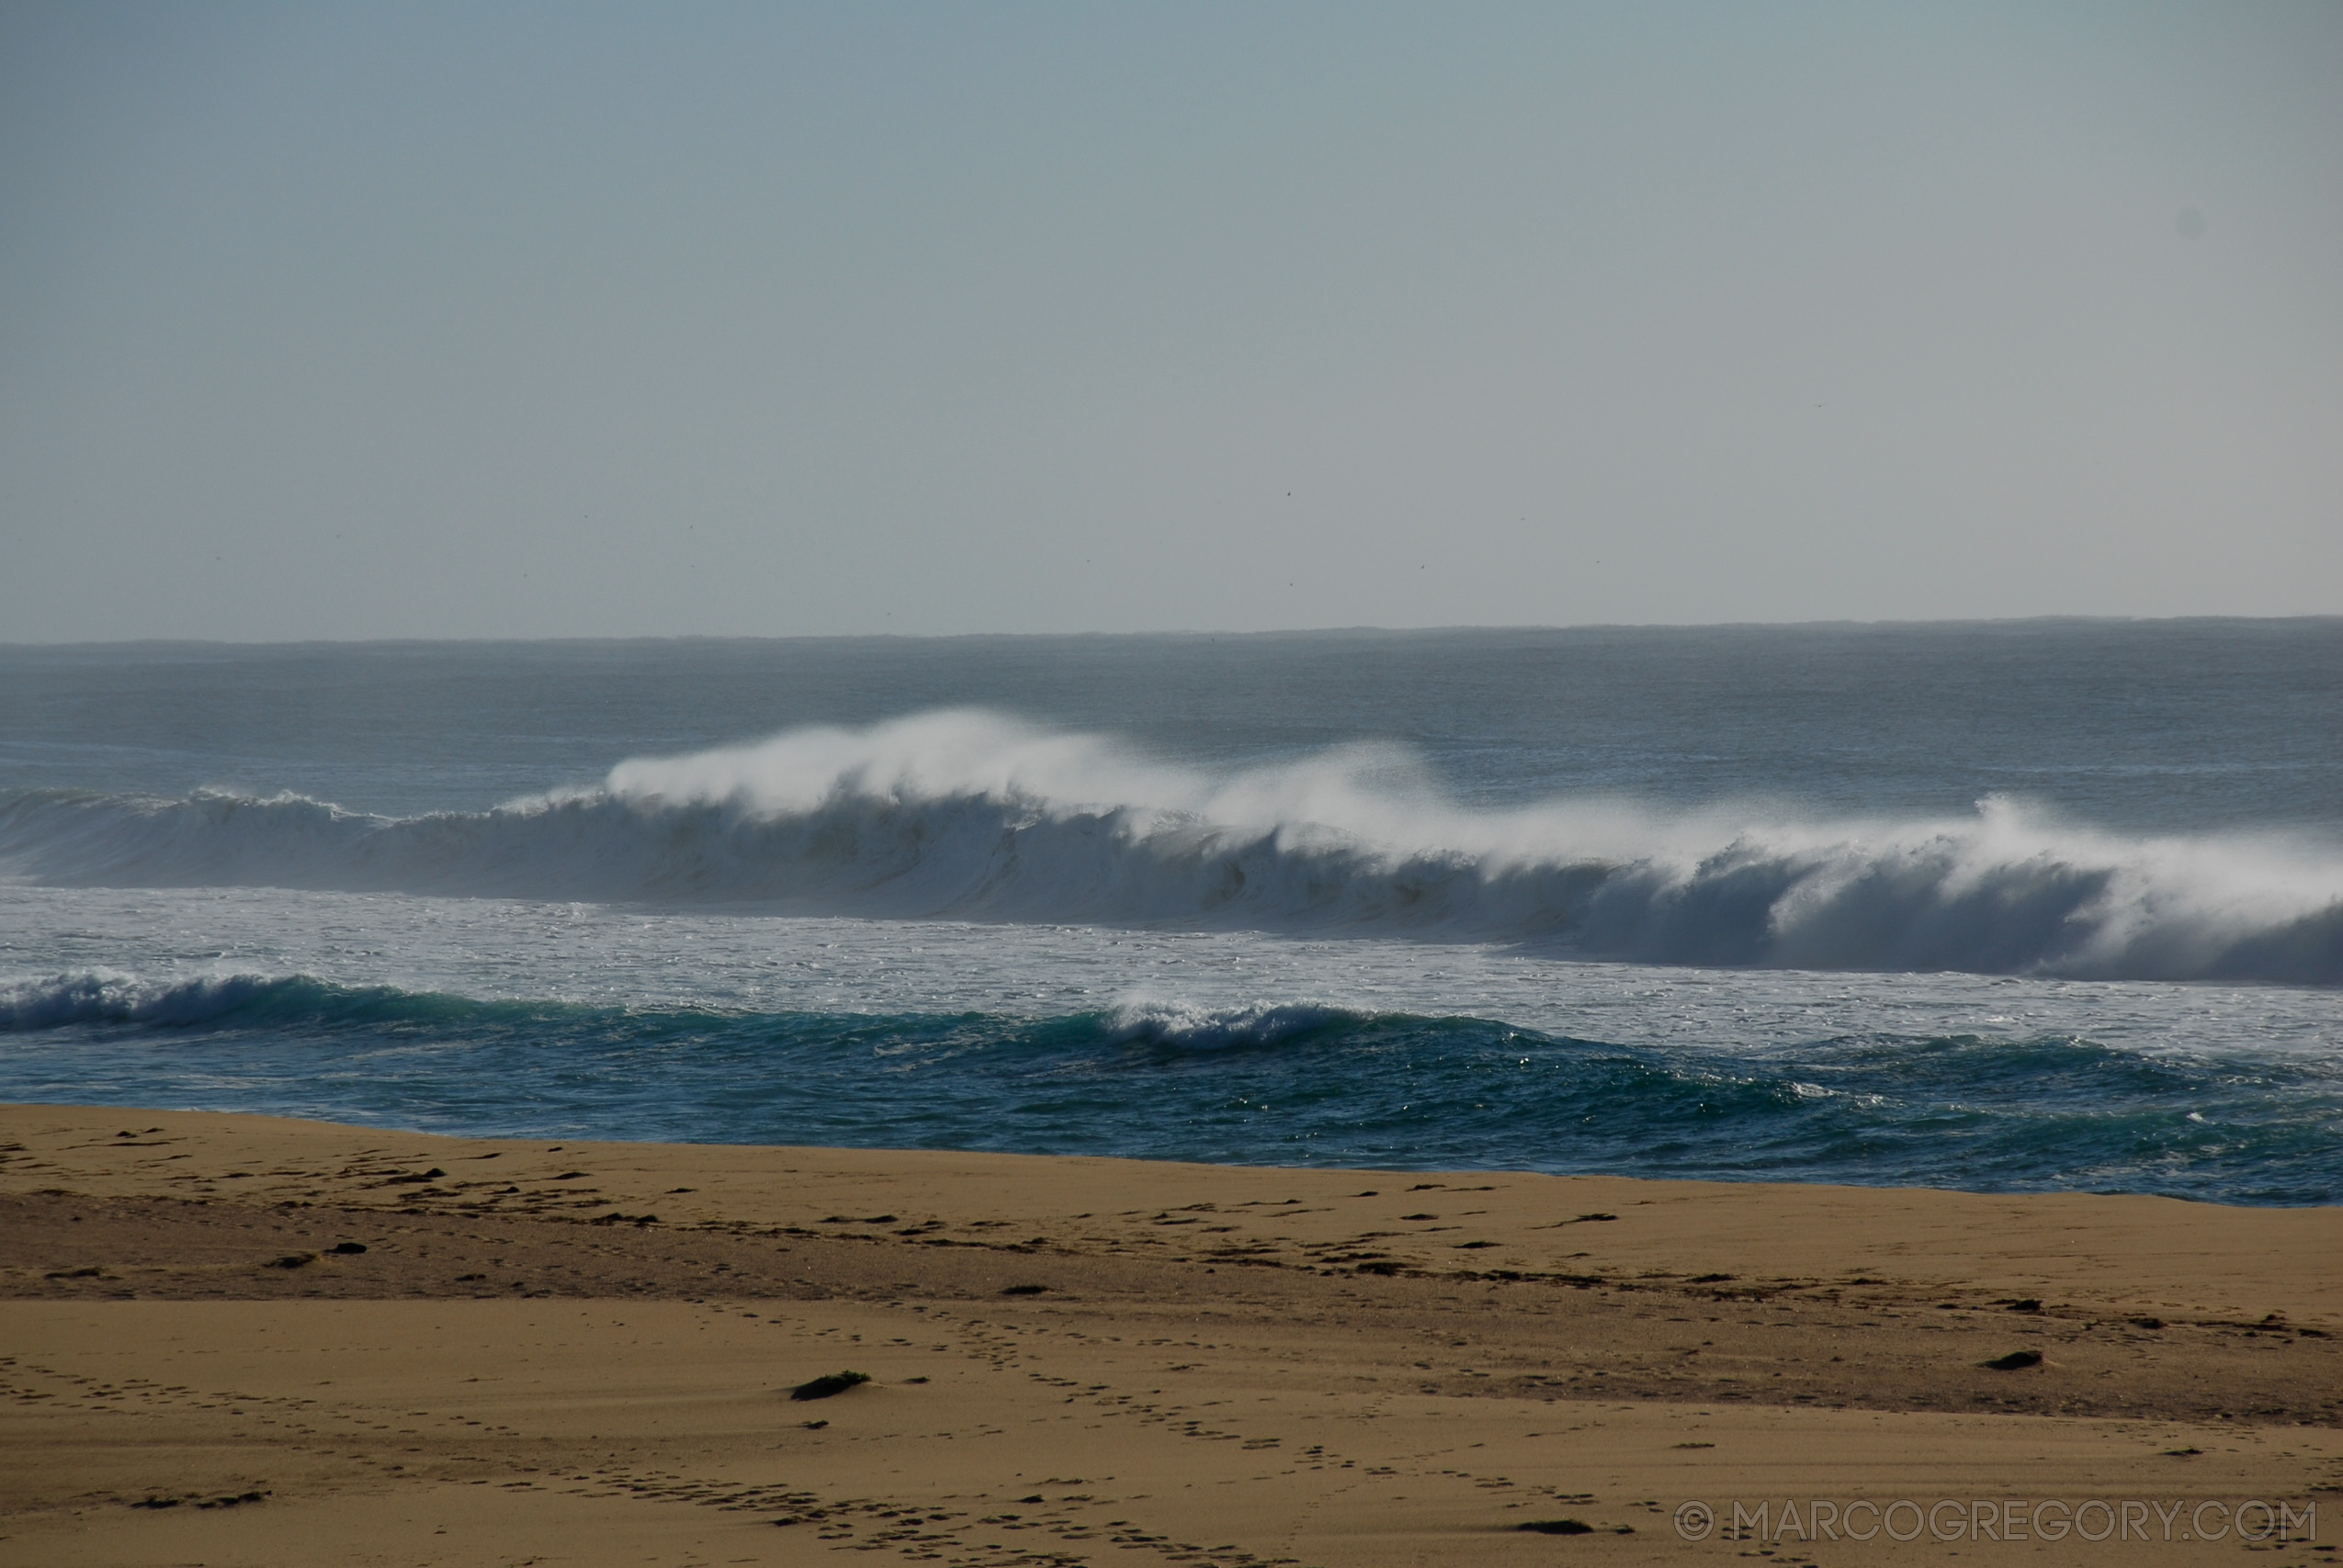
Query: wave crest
1184, 1026
969, 816
105, 997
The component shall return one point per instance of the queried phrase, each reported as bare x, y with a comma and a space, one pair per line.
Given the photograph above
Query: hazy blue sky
461, 320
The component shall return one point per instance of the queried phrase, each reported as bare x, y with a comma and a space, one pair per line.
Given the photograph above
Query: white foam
971, 816
1191, 1027
111, 997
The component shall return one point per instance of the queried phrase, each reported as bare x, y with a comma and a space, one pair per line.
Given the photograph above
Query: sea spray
969, 816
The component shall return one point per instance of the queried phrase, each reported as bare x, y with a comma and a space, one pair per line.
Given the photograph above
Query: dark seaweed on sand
823, 1387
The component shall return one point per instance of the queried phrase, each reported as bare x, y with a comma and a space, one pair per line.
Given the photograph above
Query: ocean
2005, 906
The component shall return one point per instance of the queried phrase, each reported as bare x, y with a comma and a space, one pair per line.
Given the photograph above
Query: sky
331, 320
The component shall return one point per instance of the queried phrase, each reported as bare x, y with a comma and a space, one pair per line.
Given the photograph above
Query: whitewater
2014, 908
976, 816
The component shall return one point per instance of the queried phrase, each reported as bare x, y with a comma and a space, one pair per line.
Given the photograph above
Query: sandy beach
234, 1339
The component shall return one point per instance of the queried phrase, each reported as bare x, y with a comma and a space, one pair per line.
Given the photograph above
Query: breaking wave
1183, 1025
101, 997
107, 997
971, 816
1266, 1082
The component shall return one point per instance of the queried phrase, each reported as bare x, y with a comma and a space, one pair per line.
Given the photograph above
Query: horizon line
1820, 624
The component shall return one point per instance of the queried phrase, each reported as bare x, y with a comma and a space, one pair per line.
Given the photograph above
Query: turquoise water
1296, 1084
2011, 907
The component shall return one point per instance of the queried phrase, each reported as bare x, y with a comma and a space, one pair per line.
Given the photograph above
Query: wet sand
584, 1352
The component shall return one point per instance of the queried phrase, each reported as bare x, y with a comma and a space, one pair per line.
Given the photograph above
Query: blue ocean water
2000, 906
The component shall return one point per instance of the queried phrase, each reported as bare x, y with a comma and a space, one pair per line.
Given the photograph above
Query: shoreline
1273, 1364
